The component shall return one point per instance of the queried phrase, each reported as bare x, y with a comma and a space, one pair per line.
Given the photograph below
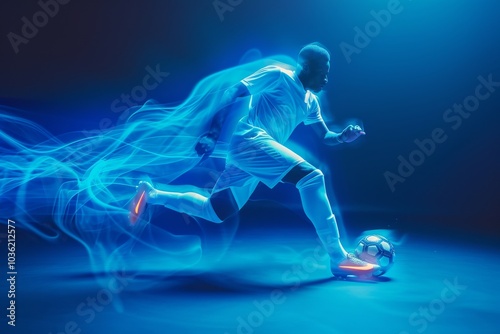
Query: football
376, 249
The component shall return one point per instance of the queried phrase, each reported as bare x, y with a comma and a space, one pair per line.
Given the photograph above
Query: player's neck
300, 78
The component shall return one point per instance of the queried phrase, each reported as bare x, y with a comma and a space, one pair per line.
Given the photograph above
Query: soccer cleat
351, 265
139, 201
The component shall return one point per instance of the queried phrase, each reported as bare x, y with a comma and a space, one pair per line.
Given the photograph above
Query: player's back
279, 101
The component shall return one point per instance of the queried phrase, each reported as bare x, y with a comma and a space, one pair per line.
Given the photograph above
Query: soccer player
280, 100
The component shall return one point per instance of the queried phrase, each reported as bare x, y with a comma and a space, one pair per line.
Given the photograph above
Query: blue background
425, 60
398, 87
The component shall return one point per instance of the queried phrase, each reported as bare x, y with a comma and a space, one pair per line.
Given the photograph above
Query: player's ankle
337, 256
152, 196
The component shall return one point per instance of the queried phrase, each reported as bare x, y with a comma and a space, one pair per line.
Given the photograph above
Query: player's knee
315, 178
298, 172
224, 204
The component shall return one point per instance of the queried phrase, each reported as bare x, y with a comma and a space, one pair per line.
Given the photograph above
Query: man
280, 100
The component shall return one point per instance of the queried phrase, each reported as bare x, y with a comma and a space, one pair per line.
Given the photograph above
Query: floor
265, 283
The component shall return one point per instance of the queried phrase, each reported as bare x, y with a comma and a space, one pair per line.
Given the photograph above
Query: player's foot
144, 192
351, 265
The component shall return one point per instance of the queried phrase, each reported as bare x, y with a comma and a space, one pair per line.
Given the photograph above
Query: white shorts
254, 157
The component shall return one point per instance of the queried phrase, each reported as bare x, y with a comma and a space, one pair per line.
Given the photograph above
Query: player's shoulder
273, 70
310, 96
312, 100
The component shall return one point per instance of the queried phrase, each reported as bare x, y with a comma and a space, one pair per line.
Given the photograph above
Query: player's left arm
315, 121
349, 134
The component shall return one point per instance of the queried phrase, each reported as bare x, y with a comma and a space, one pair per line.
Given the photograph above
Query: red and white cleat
139, 201
351, 265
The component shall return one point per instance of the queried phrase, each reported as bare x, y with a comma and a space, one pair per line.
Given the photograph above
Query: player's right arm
251, 85
207, 142
234, 92
228, 98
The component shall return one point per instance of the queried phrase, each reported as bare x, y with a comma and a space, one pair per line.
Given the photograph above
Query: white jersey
279, 102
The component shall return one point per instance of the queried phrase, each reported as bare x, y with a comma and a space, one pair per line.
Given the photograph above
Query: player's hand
205, 145
351, 133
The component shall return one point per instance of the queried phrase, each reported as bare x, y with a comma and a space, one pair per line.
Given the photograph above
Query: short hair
313, 53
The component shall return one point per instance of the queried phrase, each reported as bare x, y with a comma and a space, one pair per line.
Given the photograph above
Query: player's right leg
311, 185
256, 153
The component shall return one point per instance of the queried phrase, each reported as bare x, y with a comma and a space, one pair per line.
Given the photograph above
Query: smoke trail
83, 185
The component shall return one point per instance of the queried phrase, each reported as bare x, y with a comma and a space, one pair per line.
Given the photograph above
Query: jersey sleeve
262, 79
314, 115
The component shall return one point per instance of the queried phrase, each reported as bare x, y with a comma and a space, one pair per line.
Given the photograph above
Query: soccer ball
376, 249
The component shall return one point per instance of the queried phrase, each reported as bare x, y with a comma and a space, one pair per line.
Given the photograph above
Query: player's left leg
191, 203
230, 193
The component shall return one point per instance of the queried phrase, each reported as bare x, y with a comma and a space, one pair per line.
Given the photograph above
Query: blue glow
69, 189
84, 184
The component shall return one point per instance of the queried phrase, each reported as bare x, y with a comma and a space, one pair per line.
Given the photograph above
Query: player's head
313, 66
